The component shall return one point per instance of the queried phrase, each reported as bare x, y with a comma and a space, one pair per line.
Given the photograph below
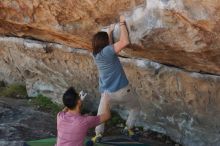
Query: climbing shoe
128, 132
97, 138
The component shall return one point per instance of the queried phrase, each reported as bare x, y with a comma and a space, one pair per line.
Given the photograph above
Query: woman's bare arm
110, 33
124, 38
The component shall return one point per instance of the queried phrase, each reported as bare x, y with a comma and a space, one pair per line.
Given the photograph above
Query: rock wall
182, 33
181, 101
21, 122
184, 105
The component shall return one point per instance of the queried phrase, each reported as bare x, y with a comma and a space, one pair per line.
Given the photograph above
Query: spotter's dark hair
70, 98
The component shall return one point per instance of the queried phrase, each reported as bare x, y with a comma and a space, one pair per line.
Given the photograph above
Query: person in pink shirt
72, 127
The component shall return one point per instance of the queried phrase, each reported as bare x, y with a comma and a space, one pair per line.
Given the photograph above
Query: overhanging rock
182, 33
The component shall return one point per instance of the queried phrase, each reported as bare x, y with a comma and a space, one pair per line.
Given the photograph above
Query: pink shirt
72, 128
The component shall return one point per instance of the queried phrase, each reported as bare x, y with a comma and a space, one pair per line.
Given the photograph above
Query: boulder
20, 122
183, 33
183, 105
173, 61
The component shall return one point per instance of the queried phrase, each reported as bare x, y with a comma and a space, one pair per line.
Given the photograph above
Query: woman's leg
127, 97
133, 116
100, 128
114, 99
133, 105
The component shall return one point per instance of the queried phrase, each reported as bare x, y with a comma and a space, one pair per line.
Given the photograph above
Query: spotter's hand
82, 95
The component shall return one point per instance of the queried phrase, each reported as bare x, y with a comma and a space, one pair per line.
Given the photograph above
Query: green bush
13, 91
45, 104
2, 84
19, 91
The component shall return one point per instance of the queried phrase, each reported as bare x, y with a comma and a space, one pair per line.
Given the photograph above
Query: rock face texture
20, 122
183, 33
62, 21
38, 37
181, 104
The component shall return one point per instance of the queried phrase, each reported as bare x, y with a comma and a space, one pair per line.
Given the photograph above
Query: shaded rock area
183, 105
183, 33
20, 122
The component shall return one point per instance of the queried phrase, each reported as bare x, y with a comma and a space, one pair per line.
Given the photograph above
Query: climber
112, 79
72, 127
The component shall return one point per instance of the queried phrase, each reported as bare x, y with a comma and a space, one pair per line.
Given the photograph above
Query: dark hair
99, 41
70, 98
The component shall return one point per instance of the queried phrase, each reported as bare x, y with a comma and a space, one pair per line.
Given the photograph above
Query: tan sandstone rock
181, 104
182, 33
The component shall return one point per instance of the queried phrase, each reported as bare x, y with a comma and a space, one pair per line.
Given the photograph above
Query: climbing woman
112, 78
